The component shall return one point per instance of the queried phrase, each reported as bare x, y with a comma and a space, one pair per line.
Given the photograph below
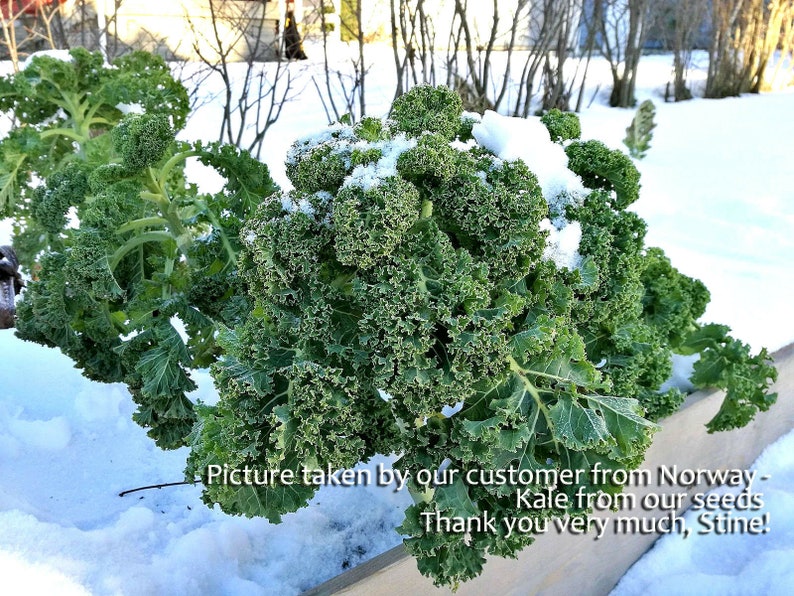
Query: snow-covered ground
728, 564
718, 197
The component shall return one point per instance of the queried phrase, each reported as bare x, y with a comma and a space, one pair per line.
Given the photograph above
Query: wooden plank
567, 564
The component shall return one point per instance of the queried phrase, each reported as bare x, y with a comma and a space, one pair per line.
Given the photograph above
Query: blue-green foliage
640, 132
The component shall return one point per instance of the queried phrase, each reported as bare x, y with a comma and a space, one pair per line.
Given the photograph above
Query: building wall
376, 20
180, 29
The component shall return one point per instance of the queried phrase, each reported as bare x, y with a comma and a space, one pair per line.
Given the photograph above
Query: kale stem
224, 238
427, 209
530, 387
167, 208
165, 171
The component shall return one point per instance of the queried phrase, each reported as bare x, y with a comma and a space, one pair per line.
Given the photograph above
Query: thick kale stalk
404, 301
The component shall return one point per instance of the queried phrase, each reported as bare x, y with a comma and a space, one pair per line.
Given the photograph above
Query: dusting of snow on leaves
130, 108
130, 336
302, 205
528, 139
562, 244
249, 238
338, 136
366, 176
342, 140
180, 327
324, 196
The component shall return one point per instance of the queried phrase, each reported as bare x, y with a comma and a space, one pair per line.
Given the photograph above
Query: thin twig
134, 490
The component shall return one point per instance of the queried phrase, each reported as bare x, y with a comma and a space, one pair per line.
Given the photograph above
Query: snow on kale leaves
411, 262
410, 271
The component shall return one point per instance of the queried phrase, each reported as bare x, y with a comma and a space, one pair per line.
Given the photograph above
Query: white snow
736, 563
290, 205
130, 108
562, 245
528, 139
372, 174
68, 446
717, 197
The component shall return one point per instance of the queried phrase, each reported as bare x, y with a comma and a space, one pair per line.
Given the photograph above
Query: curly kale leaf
64, 189
562, 126
404, 276
371, 222
726, 363
141, 140
150, 253
16, 150
145, 79
428, 109
601, 167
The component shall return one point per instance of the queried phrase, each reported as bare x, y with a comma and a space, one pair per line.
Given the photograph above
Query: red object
13, 8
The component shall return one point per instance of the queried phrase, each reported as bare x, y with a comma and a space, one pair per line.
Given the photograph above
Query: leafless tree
254, 90
343, 82
680, 25
784, 61
413, 36
592, 23
745, 36
469, 60
557, 86
624, 26
28, 26
549, 28
82, 23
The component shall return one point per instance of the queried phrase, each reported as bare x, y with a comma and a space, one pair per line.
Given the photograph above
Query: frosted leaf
371, 174
528, 139
291, 205
562, 244
339, 136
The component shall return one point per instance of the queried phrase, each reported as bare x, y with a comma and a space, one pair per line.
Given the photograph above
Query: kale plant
640, 132
416, 294
136, 293
62, 109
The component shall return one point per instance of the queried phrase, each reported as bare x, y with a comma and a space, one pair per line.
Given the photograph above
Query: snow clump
528, 139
